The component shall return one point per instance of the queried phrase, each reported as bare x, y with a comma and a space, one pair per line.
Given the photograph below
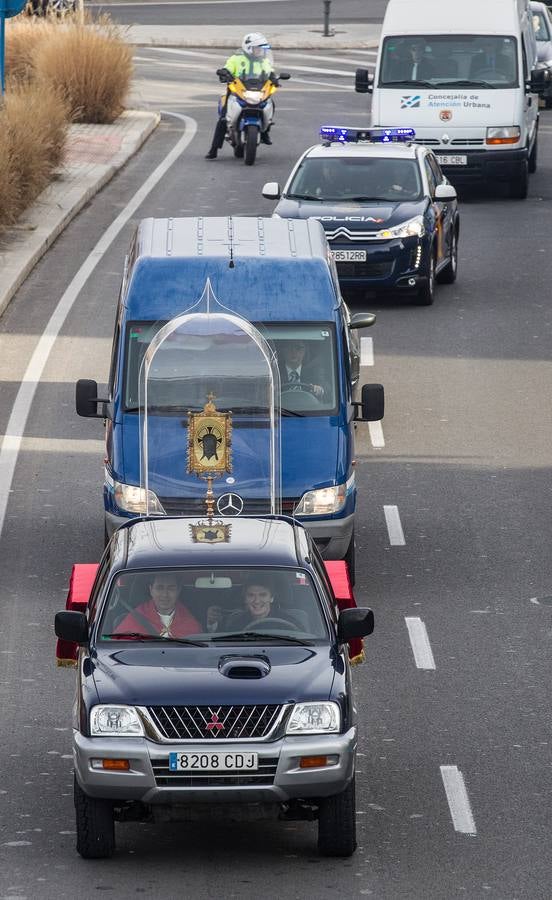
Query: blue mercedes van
278, 275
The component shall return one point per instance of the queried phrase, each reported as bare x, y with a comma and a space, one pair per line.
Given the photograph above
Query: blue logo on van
411, 101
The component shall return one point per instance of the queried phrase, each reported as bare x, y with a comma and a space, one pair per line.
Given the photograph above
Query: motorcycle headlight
325, 501
315, 718
116, 721
253, 96
132, 498
411, 228
504, 134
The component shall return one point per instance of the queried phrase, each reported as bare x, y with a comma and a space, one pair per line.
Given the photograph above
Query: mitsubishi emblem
214, 725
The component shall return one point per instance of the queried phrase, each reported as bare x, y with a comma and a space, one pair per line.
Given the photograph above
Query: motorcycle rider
252, 61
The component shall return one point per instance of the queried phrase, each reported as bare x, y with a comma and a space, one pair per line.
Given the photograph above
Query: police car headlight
505, 134
132, 498
116, 721
412, 228
315, 718
325, 501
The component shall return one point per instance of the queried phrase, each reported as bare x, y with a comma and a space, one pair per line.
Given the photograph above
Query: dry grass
23, 36
33, 130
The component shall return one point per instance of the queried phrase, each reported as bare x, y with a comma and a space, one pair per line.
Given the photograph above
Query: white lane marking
15, 429
183, 3
419, 640
336, 87
366, 351
376, 435
361, 52
394, 527
458, 800
347, 73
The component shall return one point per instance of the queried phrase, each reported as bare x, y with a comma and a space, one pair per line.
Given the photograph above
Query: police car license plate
204, 761
444, 160
349, 255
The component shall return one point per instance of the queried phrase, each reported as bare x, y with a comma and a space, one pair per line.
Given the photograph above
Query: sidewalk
282, 37
95, 153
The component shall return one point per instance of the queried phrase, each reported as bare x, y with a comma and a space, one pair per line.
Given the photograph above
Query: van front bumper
149, 780
483, 165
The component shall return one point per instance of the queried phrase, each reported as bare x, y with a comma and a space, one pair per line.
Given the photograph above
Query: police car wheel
95, 825
337, 823
447, 275
426, 293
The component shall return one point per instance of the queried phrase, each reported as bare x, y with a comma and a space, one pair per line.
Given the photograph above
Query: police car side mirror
445, 192
362, 320
354, 623
364, 81
271, 190
71, 626
372, 405
284, 76
87, 400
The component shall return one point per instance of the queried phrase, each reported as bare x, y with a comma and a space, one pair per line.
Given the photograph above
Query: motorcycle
249, 111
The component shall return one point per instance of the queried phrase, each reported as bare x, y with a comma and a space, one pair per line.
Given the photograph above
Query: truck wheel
250, 139
447, 275
95, 825
337, 823
519, 186
533, 157
350, 558
426, 294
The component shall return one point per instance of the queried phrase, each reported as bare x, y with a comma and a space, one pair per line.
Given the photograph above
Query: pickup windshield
431, 61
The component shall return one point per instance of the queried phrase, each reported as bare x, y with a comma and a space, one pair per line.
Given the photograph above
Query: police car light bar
335, 134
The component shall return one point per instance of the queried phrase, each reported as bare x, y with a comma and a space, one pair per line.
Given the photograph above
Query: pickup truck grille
165, 778
187, 723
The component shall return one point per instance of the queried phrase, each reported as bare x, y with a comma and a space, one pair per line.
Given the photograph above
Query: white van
464, 76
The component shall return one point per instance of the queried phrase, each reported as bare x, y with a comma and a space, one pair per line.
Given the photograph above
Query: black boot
212, 154
265, 136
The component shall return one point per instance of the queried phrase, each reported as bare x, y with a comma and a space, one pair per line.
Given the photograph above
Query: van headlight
325, 501
115, 721
132, 498
411, 228
504, 134
315, 718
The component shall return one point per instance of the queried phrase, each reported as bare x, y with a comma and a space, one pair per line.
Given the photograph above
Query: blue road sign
8, 8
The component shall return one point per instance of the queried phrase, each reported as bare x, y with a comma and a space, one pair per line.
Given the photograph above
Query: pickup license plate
444, 160
349, 255
205, 761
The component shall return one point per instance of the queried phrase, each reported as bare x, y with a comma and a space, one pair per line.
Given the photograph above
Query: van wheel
447, 275
519, 186
95, 825
426, 294
337, 823
533, 157
350, 558
250, 136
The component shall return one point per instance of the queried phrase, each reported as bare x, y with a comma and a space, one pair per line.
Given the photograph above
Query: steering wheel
273, 621
300, 385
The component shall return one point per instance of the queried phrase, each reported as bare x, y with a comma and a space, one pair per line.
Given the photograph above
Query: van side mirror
354, 623
372, 405
362, 320
87, 400
445, 192
71, 626
538, 81
271, 190
364, 81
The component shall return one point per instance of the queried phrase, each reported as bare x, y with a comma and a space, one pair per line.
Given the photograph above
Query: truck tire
426, 293
350, 558
95, 825
250, 140
337, 823
519, 186
447, 275
533, 156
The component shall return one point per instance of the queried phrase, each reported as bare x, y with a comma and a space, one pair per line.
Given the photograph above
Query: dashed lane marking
366, 351
394, 527
419, 640
458, 800
376, 435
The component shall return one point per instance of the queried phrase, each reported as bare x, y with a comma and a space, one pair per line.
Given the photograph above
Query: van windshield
306, 357
455, 60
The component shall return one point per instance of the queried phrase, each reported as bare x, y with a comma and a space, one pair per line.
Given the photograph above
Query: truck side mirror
87, 400
354, 623
372, 403
271, 190
71, 626
364, 81
362, 320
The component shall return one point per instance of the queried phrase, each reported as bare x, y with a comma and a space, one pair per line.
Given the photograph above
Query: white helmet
255, 45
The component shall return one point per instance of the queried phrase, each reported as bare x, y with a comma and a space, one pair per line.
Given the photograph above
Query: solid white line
15, 430
421, 648
361, 52
184, 3
458, 800
366, 351
376, 435
329, 84
394, 527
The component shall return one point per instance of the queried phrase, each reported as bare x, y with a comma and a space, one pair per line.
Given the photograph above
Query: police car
390, 215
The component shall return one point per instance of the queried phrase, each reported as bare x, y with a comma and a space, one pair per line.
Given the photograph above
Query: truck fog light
112, 765
411, 282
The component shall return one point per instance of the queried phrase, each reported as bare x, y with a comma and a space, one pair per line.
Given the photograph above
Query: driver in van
294, 369
162, 613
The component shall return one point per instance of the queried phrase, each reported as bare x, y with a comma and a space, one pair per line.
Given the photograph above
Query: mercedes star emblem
230, 504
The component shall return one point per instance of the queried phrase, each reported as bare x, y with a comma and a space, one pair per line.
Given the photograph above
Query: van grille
165, 778
214, 722
195, 506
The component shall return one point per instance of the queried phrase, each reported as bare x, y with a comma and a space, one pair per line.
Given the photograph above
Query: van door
530, 101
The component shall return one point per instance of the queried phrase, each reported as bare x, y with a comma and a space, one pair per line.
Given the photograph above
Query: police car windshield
199, 606
433, 60
338, 179
306, 349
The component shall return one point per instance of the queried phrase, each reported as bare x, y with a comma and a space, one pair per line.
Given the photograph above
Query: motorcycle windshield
209, 412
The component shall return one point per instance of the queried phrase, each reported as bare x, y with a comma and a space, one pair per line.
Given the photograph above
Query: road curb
43, 222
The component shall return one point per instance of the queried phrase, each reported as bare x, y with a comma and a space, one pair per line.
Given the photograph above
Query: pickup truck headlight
315, 718
411, 228
504, 134
324, 501
132, 498
115, 721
